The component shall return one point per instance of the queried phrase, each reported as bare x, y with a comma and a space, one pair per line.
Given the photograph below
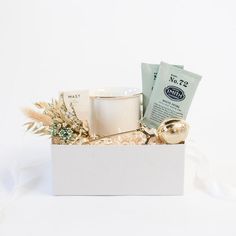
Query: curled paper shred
128, 138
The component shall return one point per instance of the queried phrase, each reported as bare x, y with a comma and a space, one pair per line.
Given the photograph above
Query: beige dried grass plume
38, 117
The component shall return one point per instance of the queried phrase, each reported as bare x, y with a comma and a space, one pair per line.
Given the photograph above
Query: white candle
114, 110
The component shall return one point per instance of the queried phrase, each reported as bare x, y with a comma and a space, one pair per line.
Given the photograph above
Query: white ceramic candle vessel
114, 110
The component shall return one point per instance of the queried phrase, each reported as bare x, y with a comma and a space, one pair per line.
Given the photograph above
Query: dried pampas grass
38, 117
53, 119
41, 105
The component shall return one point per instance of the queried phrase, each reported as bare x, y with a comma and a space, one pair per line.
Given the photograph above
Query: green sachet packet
149, 75
171, 96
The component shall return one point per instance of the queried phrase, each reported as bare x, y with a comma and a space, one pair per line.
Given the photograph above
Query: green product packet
171, 96
149, 75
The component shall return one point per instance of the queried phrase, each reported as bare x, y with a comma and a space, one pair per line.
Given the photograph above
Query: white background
48, 46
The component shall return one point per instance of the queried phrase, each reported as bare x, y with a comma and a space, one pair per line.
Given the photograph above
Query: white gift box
118, 170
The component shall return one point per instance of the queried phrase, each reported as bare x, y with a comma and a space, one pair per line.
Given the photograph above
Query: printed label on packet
79, 101
149, 76
171, 96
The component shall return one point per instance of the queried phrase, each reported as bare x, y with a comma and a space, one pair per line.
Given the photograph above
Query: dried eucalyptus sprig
53, 119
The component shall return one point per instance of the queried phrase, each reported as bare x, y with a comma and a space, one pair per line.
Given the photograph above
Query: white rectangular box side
118, 170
